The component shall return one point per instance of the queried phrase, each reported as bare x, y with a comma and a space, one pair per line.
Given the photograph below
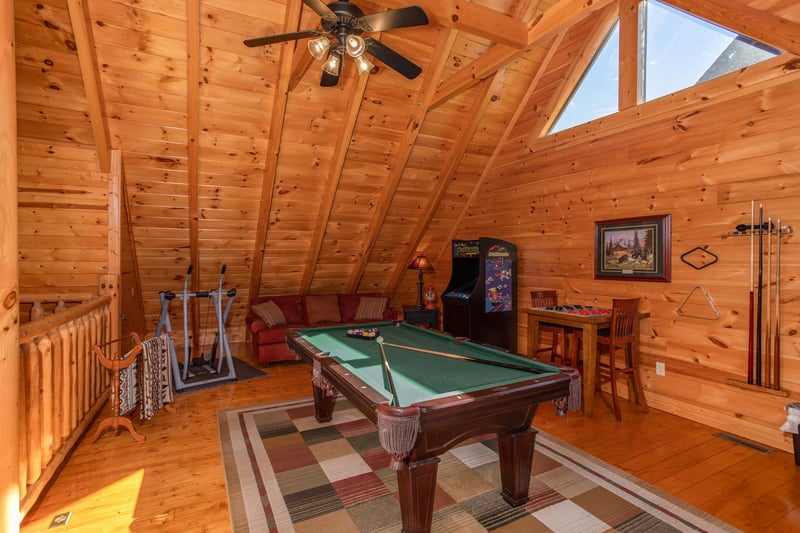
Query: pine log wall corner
236, 156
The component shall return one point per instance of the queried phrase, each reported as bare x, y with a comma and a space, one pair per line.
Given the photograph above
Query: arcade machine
480, 299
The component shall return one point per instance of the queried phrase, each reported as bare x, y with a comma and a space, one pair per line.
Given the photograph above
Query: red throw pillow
270, 313
371, 308
322, 308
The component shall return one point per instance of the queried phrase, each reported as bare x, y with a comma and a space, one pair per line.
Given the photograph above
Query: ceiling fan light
317, 47
332, 64
355, 45
363, 64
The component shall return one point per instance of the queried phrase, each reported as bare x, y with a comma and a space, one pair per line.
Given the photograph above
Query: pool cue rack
118, 364
764, 342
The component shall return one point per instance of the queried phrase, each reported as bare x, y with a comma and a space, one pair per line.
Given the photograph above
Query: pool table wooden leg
323, 404
416, 482
516, 456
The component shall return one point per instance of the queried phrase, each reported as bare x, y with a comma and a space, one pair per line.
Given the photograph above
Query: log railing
62, 387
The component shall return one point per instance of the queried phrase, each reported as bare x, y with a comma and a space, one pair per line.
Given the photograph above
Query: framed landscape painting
633, 248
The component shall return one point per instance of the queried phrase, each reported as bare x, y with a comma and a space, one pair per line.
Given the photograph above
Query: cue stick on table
468, 358
387, 371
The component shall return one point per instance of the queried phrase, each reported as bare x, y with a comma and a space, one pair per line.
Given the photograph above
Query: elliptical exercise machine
210, 364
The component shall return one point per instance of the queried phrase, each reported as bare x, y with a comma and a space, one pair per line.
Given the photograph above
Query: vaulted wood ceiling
237, 156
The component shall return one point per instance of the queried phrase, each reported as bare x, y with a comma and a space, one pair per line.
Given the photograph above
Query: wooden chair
622, 335
557, 334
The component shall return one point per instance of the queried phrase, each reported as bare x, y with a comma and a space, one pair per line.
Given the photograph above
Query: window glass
682, 50
597, 93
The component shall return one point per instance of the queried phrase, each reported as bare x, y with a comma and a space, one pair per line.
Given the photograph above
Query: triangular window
597, 93
682, 50
679, 51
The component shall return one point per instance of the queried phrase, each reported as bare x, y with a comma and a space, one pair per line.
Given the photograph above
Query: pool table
440, 401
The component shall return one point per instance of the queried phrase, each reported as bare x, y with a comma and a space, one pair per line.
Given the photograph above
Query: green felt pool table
440, 401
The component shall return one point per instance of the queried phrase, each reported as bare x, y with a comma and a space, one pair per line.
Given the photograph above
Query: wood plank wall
63, 221
700, 155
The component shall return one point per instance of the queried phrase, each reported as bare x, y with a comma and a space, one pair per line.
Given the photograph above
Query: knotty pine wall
701, 156
63, 221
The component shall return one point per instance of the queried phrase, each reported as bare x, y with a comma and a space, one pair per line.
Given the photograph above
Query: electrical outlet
661, 369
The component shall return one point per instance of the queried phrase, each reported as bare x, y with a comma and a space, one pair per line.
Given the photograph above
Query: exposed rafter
87, 58
465, 134
543, 27
278, 112
499, 147
334, 175
549, 112
760, 25
434, 72
471, 18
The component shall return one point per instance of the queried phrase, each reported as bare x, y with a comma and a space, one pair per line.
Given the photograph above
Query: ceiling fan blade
321, 8
328, 80
392, 58
395, 18
281, 37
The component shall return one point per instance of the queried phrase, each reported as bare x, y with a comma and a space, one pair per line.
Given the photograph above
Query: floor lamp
421, 264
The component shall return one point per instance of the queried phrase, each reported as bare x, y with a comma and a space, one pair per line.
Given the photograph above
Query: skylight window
682, 50
679, 51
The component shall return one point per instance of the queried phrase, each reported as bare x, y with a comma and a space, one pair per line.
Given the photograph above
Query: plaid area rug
286, 472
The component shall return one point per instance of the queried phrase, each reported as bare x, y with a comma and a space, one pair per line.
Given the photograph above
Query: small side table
424, 317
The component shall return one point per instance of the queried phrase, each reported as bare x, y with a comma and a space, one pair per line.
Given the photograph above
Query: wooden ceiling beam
90, 74
594, 41
192, 151
334, 177
302, 62
549, 23
454, 158
524, 105
741, 18
471, 18
433, 73
630, 86
278, 114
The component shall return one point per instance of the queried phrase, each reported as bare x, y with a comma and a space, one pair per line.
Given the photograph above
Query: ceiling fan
342, 26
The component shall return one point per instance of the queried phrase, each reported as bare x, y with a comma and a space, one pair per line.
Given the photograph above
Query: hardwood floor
175, 482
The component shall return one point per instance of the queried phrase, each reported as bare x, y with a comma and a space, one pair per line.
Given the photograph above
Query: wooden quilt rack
118, 362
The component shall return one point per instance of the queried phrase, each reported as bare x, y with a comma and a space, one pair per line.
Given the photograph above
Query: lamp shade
333, 64
317, 47
420, 263
355, 45
363, 65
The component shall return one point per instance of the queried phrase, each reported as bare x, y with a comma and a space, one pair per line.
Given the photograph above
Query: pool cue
752, 303
387, 372
759, 301
776, 383
768, 334
469, 358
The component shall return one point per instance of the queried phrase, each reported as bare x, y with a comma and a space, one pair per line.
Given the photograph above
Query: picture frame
637, 248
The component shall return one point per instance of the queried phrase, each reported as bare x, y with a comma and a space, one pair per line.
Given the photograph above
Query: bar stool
621, 335
549, 298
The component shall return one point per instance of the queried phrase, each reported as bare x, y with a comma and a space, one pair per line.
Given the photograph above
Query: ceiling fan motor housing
348, 22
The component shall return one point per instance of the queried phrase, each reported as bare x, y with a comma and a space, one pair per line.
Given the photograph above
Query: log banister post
9, 276
60, 390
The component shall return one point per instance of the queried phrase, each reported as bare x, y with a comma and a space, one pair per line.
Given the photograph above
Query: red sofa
302, 311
